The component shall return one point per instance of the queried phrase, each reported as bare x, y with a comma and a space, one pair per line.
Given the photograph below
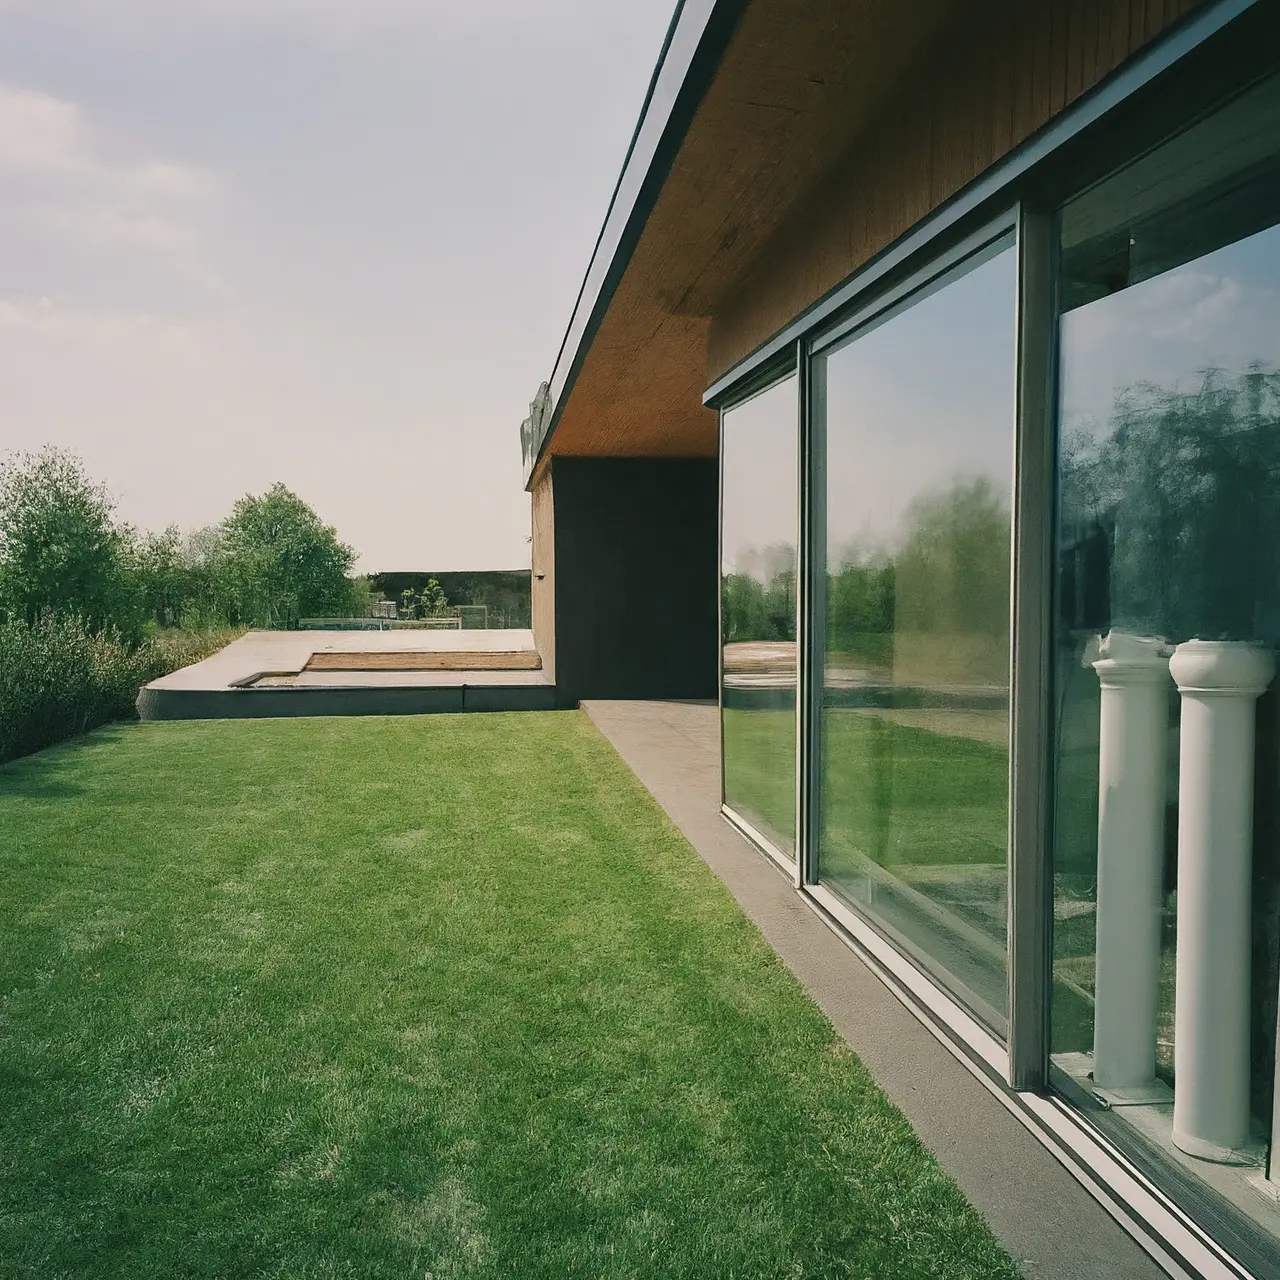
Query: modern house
921, 401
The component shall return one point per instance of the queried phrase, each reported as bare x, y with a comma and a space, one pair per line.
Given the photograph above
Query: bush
57, 679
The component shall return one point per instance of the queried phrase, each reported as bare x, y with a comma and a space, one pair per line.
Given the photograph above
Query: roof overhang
751, 105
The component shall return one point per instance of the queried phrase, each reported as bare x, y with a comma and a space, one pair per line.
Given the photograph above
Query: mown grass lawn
439, 996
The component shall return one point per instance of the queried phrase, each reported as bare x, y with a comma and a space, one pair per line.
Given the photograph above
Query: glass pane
915, 705
1167, 892
759, 519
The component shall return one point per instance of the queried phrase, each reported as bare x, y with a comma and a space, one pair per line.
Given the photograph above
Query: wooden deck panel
456, 660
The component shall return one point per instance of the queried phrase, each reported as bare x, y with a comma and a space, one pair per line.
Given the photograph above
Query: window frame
996, 235
770, 376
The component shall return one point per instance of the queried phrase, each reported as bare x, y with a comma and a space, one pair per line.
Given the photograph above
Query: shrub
57, 679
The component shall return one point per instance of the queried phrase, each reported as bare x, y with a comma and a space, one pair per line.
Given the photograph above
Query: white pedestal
1134, 675
1219, 682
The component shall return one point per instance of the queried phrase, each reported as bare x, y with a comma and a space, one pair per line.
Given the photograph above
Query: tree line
64, 552
949, 575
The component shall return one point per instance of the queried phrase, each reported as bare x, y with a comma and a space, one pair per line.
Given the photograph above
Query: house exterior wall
636, 572
543, 585
967, 571
966, 106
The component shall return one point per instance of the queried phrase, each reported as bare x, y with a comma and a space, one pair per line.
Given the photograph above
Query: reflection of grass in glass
899, 794
760, 770
902, 794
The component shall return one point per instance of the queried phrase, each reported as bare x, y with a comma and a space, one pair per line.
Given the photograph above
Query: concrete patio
302, 673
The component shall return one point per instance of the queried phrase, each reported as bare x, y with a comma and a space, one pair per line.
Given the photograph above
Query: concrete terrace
298, 673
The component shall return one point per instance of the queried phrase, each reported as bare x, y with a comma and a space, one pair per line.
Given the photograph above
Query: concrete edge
231, 703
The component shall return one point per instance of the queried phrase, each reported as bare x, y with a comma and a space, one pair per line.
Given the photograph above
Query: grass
438, 996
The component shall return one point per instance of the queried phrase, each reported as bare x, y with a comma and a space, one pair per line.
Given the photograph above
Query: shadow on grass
35, 776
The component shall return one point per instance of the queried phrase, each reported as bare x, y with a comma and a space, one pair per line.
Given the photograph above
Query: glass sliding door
916, 411
1167, 743
759, 459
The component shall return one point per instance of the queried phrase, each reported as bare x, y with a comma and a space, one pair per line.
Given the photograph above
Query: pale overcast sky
329, 242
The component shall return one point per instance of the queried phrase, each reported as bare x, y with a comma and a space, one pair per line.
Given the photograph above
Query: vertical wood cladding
543, 586
962, 107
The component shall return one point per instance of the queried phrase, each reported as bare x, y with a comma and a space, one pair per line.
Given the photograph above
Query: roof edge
695, 42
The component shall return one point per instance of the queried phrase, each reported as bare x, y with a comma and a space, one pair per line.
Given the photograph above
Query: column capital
1126, 659
1222, 668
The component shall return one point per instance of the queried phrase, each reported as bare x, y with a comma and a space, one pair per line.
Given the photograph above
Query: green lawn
439, 996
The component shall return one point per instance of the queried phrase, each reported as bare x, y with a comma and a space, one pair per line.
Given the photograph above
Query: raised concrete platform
265, 673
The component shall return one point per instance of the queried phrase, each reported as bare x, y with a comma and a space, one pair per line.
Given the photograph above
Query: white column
1134, 675
1219, 682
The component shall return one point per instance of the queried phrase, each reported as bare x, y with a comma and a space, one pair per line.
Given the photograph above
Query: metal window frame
1030, 652
771, 375
810, 606
997, 235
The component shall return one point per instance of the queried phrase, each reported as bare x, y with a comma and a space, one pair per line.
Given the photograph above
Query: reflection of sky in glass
761, 507
1222, 310
925, 399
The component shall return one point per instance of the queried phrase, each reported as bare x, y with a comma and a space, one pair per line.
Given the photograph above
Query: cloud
60, 174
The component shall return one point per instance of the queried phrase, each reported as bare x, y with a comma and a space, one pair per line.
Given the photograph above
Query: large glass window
918, 417
759, 523
1167, 742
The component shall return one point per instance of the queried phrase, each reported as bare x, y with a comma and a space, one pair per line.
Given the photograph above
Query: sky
333, 243
1218, 311
920, 403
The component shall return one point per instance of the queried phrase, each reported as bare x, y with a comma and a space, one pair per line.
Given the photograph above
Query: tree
409, 603
434, 601
162, 577
280, 563
61, 550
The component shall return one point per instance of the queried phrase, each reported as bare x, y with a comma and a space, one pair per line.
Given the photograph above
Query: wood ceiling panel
830, 128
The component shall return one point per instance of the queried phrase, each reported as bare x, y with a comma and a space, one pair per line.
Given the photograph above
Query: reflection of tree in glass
860, 604
1181, 498
759, 601
948, 576
953, 568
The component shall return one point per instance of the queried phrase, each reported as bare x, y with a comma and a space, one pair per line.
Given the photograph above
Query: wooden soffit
793, 90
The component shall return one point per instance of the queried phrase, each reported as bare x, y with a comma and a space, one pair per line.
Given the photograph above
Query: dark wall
635, 556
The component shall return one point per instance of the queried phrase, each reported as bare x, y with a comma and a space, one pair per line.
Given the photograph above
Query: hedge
58, 680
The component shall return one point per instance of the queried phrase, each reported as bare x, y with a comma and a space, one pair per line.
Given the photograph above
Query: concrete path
1039, 1212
